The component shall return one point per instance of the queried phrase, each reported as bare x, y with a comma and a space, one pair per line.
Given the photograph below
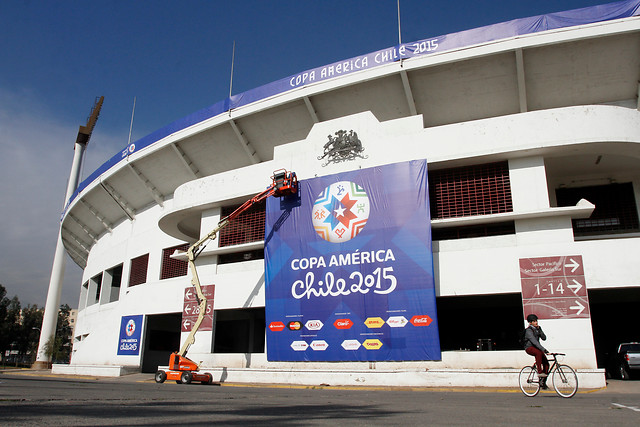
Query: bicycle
563, 378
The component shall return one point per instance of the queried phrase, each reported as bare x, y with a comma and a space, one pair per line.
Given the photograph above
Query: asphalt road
40, 399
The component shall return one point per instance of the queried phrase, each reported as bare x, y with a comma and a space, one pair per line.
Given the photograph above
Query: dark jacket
532, 338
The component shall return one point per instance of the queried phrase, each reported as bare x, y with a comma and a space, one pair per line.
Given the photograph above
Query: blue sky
174, 57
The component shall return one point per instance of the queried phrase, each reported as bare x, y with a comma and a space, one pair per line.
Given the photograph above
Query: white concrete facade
545, 149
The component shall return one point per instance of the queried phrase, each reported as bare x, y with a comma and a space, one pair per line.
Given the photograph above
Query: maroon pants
541, 360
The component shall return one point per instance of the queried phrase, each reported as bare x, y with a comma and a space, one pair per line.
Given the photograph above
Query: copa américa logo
340, 212
130, 328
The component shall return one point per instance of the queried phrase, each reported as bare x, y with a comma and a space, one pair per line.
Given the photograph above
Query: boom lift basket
182, 369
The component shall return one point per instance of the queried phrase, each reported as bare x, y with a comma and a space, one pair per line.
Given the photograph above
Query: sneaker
542, 375
544, 386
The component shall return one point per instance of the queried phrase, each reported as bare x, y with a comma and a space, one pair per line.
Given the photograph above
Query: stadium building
528, 135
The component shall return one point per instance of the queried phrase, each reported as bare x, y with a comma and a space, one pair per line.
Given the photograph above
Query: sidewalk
613, 386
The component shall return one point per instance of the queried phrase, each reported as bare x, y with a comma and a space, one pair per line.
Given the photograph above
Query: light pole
50, 316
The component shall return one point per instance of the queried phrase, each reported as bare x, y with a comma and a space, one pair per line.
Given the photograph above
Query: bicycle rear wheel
529, 383
565, 380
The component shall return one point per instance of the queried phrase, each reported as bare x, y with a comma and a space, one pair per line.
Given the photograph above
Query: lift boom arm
283, 183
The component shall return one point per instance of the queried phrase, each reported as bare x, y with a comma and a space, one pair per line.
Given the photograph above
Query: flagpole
399, 33
131, 124
233, 57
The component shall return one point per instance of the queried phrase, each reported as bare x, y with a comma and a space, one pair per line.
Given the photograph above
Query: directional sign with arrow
554, 287
191, 309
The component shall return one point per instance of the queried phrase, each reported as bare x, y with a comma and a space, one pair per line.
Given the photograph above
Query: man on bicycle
533, 347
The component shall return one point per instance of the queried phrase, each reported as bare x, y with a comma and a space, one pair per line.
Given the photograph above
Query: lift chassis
182, 369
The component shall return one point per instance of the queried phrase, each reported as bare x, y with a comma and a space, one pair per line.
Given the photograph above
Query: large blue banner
349, 268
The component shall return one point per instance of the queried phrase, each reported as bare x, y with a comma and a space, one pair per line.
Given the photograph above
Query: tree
58, 348
20, 331
29, 335
9, 320
63, 331
4, 322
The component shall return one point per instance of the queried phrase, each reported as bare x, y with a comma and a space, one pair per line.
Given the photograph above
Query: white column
50, 317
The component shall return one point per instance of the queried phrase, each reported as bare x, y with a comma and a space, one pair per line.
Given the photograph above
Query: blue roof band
504, 30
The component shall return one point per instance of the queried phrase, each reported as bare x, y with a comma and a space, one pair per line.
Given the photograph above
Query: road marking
633, 408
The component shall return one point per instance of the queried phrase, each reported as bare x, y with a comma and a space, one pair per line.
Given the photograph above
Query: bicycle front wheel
565, 381
529, 383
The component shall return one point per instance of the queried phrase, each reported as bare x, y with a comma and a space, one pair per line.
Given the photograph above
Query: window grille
247, 227
138, 273
173, 267
470, 190
615, 210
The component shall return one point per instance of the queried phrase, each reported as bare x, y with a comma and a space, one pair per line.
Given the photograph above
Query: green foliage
9, 320
27, 340
20, 330
62, 347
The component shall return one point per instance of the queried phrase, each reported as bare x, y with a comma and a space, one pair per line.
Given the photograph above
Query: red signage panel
557, 266
554, 287
191, 309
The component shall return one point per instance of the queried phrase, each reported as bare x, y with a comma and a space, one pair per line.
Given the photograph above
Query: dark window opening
613, 321
241, 256
239, 331
470, 190
480, 322
96, 287
138, 273
173, 267
484, 230
115, 274
84, 291
615, 210
161, 338
247, 227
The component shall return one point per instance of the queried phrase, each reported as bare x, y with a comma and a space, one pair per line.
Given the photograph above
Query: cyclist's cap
532, 318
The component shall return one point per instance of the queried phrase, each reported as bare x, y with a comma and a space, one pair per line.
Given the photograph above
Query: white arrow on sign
578, 307
575, 288
187, 323
187, 309
573, 264
188, 294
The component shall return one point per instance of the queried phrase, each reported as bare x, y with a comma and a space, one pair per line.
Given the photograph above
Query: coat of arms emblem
342, 146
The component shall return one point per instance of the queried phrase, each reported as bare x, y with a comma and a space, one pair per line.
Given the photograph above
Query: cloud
37, 152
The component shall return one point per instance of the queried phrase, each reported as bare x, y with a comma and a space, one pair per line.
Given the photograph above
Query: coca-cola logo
422, 320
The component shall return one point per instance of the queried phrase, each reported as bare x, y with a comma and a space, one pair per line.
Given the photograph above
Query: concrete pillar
50, 317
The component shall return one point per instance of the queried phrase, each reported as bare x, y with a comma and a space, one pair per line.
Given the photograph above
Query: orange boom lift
182, 369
